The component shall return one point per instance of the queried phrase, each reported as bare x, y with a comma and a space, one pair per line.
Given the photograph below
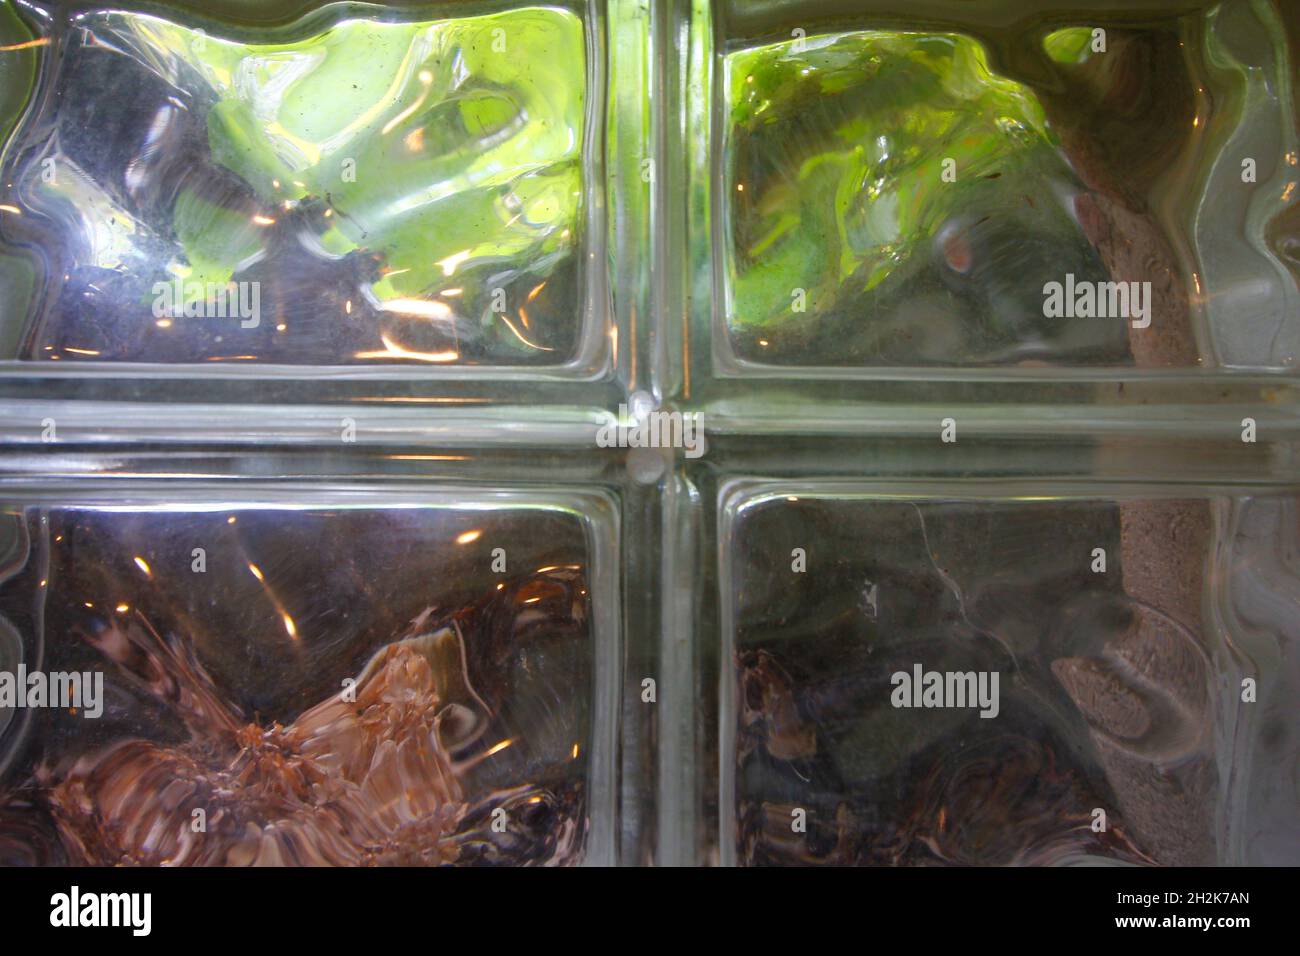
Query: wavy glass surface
361, 192
316, 684
1120, 685
895, 198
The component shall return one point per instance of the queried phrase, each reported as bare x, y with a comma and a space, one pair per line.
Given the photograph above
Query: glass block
359, 188
960, 192
307, 677
930, 677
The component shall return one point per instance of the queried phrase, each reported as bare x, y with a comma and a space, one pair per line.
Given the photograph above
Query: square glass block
364, 187
301, 678
912, 677
964, 193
